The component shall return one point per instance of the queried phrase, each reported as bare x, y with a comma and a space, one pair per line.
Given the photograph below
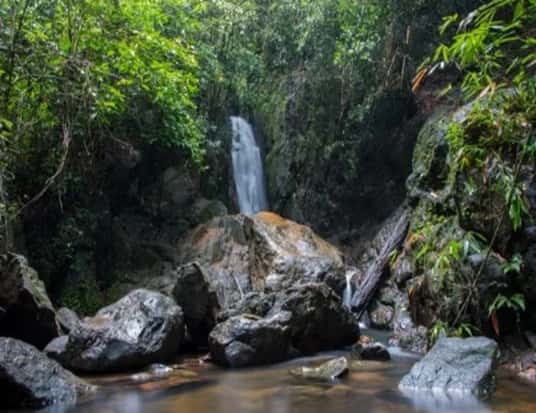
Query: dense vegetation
331, 85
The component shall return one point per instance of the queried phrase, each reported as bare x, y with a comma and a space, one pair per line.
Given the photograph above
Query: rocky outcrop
28, 313
31, 380
142, 328
264, 253
307, 318
198, 302
455, 367
248, 340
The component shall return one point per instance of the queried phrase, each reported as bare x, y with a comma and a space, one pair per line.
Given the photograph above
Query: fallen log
372, 278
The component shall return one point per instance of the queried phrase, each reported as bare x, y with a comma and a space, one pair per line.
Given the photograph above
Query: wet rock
28, 312
198, 302
264, 253
327, 371
407, 335
67, 319
381, 315
153, 372
31, 380
455, 367
255, 303
375, 351
319, 321
249, 340
143, 327
367, 349
404, 269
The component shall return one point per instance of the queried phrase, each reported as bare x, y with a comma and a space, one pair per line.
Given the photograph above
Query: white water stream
248, 172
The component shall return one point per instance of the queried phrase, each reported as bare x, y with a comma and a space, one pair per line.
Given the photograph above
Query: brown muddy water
197, 387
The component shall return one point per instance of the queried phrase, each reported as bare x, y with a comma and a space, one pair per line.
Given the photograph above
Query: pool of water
197, 387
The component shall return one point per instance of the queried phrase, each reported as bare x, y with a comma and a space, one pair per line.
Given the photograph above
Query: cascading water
347, 294
248, 172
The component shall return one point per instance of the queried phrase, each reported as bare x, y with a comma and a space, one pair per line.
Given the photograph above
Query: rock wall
443, 277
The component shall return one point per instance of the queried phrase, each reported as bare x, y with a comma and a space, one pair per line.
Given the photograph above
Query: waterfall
248, 172
347, 294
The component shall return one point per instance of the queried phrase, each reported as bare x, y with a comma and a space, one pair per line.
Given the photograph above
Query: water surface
196, 387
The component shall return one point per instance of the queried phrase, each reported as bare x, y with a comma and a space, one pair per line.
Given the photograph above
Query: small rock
375, 351
455, 367
29, 379
154, 371
381, 315
329, 370
367, 349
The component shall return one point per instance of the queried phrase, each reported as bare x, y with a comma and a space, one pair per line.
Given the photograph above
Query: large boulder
319, 320
143, 327
263, 253
455, 367
31, 380
247, 340
28, 312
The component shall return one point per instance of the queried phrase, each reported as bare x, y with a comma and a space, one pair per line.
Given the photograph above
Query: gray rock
319, 321
381, 315
327, 371
407, 335
28, 312
31, 380
142, 328
255, 303
199, 303
249, 340
67, 319
455, 367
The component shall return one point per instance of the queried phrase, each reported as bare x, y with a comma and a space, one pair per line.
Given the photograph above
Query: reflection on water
370, 387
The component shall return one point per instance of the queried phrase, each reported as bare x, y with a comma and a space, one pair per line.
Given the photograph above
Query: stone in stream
248, 340
29, 379
329, 370
143, 327
367, 349
28, 313
455, 367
